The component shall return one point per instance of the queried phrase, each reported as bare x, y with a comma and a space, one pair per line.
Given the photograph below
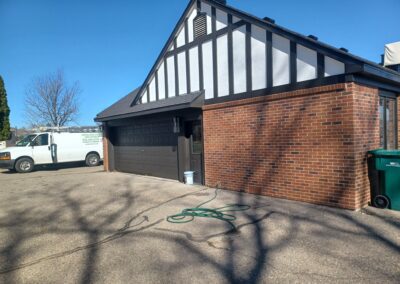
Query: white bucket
189, 177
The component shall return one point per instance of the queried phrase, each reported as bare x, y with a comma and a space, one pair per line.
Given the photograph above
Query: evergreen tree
4, 113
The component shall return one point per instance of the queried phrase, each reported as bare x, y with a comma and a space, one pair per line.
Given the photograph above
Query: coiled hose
189, 214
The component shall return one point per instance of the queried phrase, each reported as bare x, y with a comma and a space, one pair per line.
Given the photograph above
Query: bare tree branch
50, 101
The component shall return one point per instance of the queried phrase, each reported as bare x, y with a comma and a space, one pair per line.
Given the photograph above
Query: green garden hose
187, 215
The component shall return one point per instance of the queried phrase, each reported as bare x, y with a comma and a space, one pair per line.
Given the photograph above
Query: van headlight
5, 156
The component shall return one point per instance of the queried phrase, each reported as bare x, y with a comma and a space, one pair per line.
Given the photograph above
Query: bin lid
385, 153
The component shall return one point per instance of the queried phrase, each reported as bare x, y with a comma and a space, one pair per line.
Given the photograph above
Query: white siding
191, 17
180, 39
194, 69
161, 82
222, 66
239, 59
182, 73
208, 70
222, 19
306, 63
171, 76
235, 19
258, 58
280, 59
152, 89
333, 67
207, 9
144, 97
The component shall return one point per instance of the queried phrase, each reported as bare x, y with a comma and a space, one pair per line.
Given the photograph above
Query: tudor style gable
222, 51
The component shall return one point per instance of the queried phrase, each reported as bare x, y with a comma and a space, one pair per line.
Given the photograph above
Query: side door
41, 150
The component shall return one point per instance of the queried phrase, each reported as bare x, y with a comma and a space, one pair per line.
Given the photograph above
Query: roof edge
165, 48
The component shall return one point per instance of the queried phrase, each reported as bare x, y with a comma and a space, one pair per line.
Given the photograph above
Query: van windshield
26, 140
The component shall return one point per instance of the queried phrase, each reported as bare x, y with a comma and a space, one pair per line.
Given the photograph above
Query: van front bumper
7, 164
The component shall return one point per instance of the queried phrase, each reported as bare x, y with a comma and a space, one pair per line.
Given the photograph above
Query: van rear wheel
92, 160
24, 165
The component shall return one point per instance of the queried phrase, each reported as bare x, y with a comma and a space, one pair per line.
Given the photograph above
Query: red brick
308, 145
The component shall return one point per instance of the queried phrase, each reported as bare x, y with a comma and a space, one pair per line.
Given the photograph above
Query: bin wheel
381, 201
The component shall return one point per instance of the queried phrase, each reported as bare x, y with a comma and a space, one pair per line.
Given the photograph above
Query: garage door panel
146, 147
154, 161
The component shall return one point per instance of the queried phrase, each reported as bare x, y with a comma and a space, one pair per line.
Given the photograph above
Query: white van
53, 148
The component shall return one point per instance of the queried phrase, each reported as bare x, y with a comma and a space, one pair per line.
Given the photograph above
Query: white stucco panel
144, 97
306, 63
239, 60
208, 70
280, 60
182, 73
222, 66
191, 17
207, 9
194, 69
221, 19
161, 81
258, 57
171, 76
152, 89
180, 39
333, 67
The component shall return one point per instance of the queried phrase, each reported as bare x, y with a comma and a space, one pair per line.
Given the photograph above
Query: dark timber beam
293, 62
248, 59
214, 50
230, 55
269, 59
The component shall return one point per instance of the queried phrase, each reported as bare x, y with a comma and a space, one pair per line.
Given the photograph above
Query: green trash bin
387, 163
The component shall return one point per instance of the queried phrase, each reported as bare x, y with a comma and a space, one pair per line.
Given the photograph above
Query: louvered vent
200, 25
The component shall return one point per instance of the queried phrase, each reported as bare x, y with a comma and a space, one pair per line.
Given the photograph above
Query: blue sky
109, 46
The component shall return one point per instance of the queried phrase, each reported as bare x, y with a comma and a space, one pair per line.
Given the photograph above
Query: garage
147, 147
162, 139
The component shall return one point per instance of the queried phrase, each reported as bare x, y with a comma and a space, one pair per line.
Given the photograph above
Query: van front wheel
92, 160
24, 165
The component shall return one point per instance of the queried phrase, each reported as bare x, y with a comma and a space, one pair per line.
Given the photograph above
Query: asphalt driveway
82, 225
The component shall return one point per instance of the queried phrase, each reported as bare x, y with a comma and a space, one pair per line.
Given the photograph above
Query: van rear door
41, 151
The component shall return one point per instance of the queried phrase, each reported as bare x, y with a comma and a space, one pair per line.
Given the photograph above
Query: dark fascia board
146, 112
320, 47
165, 48
373, 81
379, 72
196, 103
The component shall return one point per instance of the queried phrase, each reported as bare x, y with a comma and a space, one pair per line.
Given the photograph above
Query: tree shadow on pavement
245, 255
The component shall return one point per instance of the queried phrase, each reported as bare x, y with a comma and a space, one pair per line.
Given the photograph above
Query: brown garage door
146, 147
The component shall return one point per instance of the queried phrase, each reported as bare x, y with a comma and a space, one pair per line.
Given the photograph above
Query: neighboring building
11, 141
251, 106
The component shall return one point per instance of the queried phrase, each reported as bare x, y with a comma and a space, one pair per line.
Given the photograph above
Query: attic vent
200, 25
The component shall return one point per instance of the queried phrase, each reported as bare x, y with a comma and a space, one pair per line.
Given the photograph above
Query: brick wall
366, 136
309, 145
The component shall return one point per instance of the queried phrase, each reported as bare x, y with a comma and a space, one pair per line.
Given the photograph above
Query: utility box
387, 163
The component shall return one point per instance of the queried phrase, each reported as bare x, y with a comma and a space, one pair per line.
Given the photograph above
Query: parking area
82, 225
